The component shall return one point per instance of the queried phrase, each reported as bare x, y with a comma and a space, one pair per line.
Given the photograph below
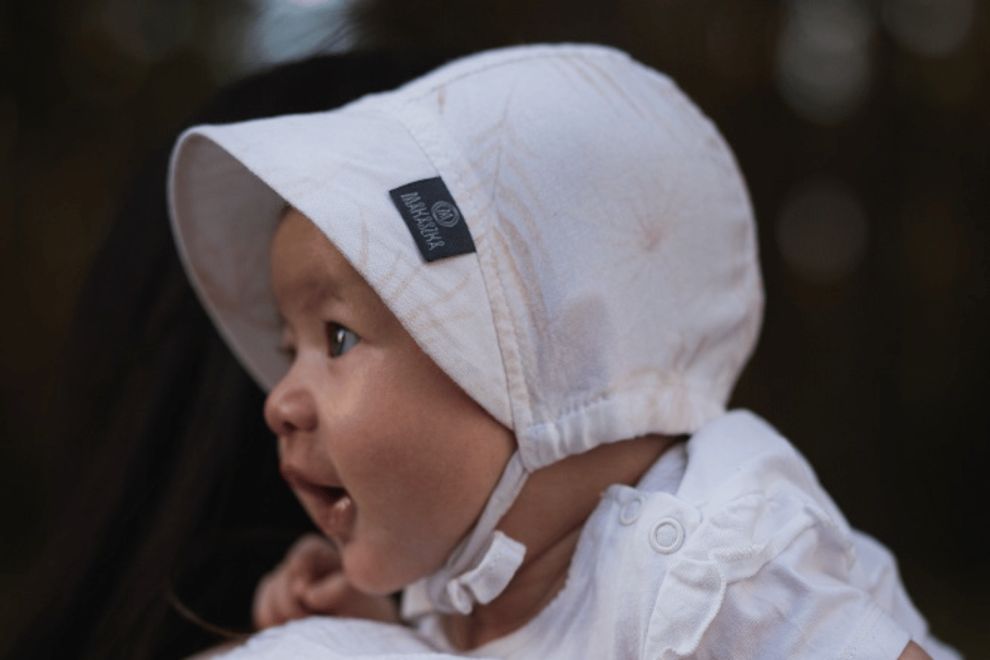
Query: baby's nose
290, 408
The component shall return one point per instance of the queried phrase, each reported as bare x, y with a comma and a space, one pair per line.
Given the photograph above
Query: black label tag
435, 222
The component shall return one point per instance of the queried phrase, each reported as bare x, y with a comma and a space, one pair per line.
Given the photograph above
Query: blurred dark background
862, 126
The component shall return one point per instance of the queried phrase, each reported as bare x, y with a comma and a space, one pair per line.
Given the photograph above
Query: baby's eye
340, 339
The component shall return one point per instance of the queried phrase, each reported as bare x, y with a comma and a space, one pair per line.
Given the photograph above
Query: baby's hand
309, 581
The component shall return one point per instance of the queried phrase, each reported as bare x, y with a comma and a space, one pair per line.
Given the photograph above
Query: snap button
667, 535
630, 510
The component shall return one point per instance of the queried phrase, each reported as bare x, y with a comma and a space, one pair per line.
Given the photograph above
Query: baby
500, 311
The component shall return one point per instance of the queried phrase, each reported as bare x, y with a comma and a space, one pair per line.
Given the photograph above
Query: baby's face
389, 457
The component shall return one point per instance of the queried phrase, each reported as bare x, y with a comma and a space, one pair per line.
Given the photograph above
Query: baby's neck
548, 517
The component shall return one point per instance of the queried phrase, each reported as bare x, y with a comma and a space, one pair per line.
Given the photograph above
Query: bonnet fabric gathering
571, 241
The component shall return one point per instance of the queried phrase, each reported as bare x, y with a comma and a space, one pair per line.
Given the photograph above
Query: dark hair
179, 507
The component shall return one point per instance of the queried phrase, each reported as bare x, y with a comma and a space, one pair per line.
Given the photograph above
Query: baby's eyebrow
319, 290
315, 288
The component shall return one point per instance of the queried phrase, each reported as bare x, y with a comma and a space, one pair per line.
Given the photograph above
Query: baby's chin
376, 572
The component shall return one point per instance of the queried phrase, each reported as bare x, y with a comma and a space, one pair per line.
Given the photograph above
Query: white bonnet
604, 280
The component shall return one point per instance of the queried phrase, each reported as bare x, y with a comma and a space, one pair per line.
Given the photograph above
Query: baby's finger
262, 609
286, 604
312, 555
273, 603
326, 595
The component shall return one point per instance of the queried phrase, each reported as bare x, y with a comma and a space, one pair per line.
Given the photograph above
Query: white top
727, 548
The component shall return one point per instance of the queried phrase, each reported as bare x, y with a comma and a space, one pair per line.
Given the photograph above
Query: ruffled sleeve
767, 580
772, 569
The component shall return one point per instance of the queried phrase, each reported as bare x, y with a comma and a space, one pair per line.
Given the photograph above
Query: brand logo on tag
445, 213
433, 219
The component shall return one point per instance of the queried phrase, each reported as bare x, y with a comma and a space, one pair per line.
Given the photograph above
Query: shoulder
745, 556
766, 565
741, 457
743, 491
739, 446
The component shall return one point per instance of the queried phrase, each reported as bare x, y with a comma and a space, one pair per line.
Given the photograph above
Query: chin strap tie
487, 580
481, 567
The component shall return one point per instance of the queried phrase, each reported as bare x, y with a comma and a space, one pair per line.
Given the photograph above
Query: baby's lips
296, 476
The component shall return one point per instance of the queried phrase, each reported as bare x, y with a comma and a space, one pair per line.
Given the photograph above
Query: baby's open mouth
331, 507
327, 495
332, 494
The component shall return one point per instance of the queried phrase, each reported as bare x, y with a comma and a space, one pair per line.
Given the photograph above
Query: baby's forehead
314, 288
312, 277
301, 249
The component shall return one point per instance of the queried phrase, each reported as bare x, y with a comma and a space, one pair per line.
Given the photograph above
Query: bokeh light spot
933, 28
824, 62
822, 230
282, 30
